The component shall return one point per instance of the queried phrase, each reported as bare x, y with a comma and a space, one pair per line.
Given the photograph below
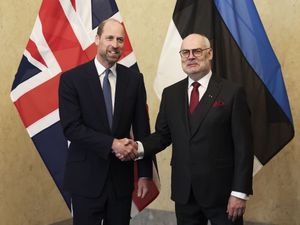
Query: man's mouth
113, 52
192, 64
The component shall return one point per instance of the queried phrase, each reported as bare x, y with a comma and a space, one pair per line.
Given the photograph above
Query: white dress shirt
112, 77
203, 85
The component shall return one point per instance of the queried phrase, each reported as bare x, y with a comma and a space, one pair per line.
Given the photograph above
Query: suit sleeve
73, 126
141, 127
243, 146
161, 138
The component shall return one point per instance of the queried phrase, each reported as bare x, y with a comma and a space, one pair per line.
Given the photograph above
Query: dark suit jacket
212, 148
83, 117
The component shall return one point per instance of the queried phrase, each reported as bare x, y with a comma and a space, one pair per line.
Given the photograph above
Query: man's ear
97, 40
211, 54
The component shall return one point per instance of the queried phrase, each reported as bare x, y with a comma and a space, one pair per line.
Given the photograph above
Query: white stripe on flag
76, 24
29, 84
129, 60
38, 38
84, 11
34, 62
43, 123
32, 82
166, 74
117, 16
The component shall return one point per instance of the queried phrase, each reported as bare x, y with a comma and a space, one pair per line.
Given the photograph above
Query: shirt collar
203, 81
101, 69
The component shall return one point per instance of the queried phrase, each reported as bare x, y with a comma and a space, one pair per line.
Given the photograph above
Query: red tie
194, 97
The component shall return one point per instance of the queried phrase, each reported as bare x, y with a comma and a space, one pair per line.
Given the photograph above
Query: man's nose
115, 43
191, 55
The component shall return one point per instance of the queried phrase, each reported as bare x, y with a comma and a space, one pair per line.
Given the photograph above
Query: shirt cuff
240, 195
140, 150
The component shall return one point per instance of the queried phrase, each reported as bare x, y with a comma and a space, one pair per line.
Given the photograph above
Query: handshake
125, 149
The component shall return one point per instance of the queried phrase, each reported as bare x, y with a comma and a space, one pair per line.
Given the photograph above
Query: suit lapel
205, 104
96, 92
183, 99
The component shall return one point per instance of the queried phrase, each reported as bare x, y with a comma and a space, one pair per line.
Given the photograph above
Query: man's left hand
143, 187
236, 207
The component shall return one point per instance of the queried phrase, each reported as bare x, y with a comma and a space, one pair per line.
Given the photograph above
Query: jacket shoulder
178, 85
126, 71
79, 70
228, 84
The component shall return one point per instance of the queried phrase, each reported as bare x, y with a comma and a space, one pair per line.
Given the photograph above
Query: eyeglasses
197, 52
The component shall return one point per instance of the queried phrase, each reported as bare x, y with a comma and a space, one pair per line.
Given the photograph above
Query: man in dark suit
207, 120
99, 102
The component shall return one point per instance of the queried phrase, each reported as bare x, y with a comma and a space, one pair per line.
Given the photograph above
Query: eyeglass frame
193, 52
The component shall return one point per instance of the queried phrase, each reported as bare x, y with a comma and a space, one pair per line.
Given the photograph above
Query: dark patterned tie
107, 97
194, 97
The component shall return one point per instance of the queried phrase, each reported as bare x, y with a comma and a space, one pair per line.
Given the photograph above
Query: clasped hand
125, 149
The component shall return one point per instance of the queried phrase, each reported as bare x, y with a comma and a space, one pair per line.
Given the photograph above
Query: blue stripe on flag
102, 10
25, 71
52, 147
243, 21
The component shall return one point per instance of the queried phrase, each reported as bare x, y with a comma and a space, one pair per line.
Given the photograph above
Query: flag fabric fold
62, 38
243, 54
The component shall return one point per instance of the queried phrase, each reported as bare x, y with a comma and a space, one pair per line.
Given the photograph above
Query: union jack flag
62, 38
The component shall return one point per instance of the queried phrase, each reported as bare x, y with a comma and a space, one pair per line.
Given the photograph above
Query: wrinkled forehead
193, 41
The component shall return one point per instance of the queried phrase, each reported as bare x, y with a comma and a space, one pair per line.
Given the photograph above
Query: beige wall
28, 196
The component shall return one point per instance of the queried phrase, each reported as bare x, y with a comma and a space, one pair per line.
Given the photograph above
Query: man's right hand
125, 149
235, 207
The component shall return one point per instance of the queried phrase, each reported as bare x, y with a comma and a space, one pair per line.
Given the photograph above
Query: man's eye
120, 40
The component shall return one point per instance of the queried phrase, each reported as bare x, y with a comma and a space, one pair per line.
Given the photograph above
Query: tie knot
195, 84
106, 73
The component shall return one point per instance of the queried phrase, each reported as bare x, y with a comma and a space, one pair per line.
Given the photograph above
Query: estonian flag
243, 54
